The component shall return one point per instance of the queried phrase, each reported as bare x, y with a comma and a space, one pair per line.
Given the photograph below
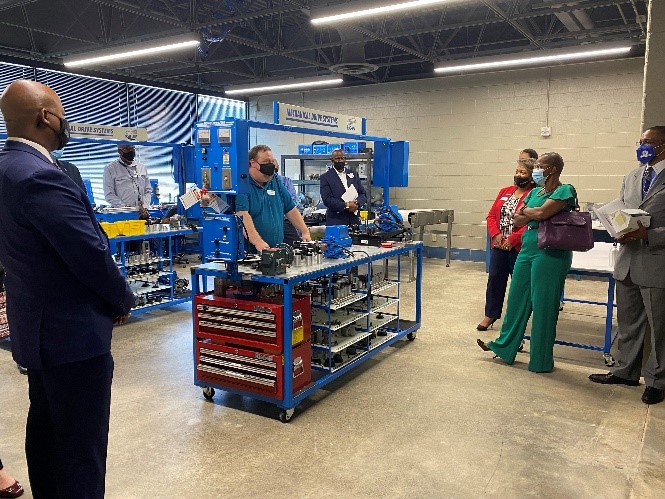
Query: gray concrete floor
432, 418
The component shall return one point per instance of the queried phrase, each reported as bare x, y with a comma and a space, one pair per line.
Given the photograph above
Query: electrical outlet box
433, 238
545, 131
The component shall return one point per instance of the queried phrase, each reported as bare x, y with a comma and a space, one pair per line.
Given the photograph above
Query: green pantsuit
535, 289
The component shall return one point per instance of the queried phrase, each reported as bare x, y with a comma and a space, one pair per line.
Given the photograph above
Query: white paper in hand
351, 194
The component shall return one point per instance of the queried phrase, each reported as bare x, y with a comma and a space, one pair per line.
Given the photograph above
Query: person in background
8, 486
539, 274
64, 295
640, 280
263, 208
504, 240
333, 184
126, 182
290, 233
69, 168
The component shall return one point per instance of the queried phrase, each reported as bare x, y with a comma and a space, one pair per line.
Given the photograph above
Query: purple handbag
567, 230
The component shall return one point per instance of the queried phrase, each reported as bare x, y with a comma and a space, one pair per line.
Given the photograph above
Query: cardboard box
625, 220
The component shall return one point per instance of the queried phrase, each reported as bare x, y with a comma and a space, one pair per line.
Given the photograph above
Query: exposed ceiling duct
352, 60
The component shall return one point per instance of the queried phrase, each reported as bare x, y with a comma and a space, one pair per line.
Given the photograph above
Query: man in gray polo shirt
126, 181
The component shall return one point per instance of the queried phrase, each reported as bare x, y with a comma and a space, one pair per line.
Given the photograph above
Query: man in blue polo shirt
263, 209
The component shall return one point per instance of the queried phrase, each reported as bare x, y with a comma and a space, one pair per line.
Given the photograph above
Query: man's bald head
30, 109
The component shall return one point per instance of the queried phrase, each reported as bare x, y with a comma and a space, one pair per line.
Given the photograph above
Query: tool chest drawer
254, 371
256, 321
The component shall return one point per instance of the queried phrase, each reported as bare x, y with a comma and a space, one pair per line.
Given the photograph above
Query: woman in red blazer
505, 244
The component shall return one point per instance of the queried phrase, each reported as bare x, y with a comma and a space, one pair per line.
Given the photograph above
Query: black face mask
128, 156
63, 132
267, 169
521, 181
339, 165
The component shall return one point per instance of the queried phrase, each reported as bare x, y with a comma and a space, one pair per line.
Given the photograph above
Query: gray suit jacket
646, 263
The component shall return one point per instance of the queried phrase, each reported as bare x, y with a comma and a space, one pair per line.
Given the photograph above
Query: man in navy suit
64, 294
334, 183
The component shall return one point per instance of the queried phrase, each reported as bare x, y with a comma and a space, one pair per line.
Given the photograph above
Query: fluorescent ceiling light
132, 51
276, 87
373, 11
542, 59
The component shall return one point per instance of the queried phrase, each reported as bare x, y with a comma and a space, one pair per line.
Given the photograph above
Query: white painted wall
465, 132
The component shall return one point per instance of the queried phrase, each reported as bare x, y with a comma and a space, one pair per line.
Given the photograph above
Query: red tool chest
240, 343
256, 372
253, 323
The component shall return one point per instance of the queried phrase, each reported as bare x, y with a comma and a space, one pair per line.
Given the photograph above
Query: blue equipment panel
391, 164
223, 238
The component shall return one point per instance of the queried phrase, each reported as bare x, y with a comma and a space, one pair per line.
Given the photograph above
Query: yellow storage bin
134, 227
111, 229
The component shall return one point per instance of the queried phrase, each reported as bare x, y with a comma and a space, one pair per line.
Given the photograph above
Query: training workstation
323, 209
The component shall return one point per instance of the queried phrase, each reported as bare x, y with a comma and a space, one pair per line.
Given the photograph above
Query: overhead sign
121, 133
288, 114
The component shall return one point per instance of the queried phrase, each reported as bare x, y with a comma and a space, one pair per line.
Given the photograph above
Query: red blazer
494, 215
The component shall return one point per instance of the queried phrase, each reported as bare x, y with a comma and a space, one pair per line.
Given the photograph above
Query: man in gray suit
640, 275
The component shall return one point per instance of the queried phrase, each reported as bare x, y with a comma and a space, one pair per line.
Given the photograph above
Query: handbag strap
577, 205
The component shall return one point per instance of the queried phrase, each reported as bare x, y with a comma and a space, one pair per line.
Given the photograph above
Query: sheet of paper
217, 204
351, 194
188, 200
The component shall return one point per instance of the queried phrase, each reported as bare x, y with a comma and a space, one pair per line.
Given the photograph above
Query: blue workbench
409, 260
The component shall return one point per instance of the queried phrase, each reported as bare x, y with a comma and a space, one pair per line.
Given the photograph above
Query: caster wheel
609, 360
285, 415
411, 336
208, 392
521, 347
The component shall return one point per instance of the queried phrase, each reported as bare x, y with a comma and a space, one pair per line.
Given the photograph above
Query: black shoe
480, 327
611, 379
653, 395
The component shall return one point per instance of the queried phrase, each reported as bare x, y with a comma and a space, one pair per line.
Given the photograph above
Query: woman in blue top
539, 274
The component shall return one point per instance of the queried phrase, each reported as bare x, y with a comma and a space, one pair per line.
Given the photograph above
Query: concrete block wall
465, 132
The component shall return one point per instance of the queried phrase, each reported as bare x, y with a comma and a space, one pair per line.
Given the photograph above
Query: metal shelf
387, 303
320, 319
378, 323
338, 303
348, 341
380, 340
382, 286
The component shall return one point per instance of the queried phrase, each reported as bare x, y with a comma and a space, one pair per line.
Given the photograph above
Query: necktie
647, 177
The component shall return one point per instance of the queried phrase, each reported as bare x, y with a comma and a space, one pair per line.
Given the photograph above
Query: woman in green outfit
539, 274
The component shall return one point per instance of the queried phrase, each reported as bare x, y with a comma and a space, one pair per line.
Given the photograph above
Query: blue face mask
645, 153
538, 177
57, 153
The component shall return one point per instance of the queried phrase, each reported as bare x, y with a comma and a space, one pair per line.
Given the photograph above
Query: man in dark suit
334, 183
639, 275
64, 294
69, 168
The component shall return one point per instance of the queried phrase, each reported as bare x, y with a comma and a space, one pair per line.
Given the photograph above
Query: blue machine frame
221, 158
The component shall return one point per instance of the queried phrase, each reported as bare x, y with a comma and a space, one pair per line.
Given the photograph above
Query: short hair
528, 163
256, 150
660, 130
531, 152
553, 159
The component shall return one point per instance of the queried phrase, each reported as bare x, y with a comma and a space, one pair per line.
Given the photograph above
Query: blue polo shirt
267, 206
